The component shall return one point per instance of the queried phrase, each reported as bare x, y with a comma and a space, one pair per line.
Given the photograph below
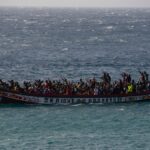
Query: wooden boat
9, 97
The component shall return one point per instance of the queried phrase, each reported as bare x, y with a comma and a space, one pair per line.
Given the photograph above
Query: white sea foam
25, 45
81, 20
121, 109
99, 21
78, 30
115, 57
144, 25
3, 35
75, 105
29, 21
112, 13
65, 49
9, 40
65, 20
95, 38
11, 19
122, 41
66, 42
131, 27
109, 28
136, 21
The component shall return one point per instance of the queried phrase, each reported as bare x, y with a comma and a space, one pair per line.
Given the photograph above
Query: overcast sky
77, 3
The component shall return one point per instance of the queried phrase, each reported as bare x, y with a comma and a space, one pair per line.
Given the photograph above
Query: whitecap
112, 13
66, 41
29, 22
25, 45
144, 25
81, 20
65, 20
121, 109
65, 49
122, 41
9, 40
93, 38
75, 105
78, 30
131, 27
101, 40
99, 21
11, 19
3, 35
109, 28
115, 57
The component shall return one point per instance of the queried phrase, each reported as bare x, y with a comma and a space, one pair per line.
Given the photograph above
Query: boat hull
8, 97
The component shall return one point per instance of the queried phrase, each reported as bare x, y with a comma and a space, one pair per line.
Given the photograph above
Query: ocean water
53, 43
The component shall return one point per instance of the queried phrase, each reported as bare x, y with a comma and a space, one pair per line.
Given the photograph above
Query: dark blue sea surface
74, 43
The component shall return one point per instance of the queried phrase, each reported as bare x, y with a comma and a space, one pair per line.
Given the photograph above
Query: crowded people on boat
105, 86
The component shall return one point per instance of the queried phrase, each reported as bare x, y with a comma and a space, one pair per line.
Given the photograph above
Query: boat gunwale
2, 93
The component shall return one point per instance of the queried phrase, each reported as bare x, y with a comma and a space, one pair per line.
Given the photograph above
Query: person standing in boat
96, 91
130, 88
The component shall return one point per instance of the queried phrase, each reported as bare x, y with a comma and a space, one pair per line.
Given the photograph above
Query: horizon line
75, 7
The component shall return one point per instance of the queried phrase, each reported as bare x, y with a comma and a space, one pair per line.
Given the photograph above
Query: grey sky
77, 3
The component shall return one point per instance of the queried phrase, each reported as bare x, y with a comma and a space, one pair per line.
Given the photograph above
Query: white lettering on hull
72, 100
